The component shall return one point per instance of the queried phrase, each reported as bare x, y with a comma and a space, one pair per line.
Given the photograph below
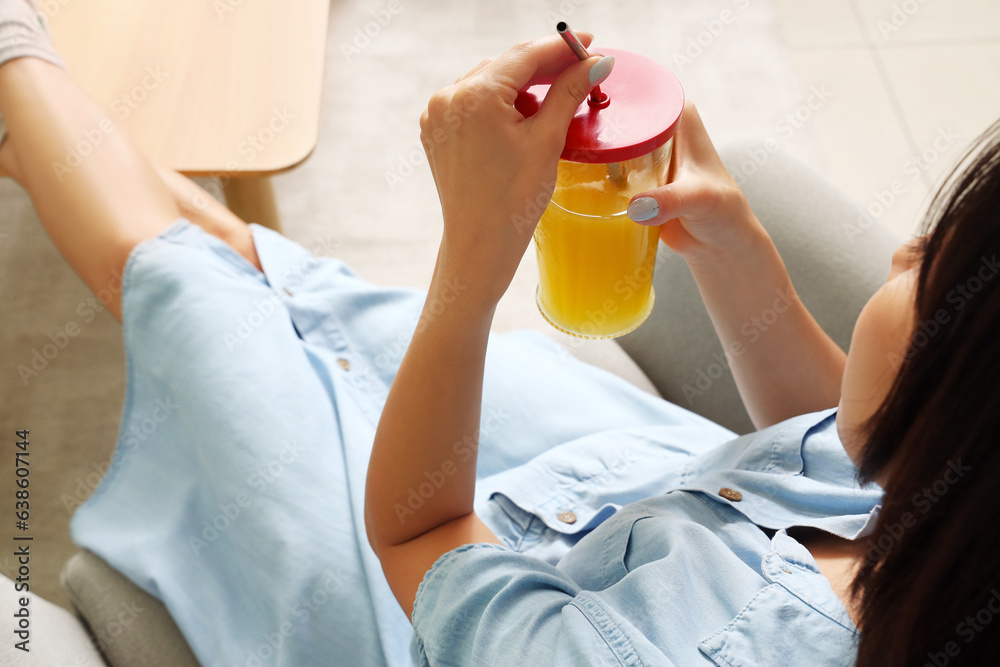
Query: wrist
457, 297
749, 249
476, 277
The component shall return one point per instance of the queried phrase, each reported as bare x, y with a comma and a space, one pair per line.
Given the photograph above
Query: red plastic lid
645, 105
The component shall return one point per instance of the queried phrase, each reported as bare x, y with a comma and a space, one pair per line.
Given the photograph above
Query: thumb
568, 91
688, 198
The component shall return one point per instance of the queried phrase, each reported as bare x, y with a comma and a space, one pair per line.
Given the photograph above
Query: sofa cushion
130, 626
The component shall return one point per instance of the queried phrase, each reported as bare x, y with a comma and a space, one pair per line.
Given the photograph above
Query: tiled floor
913, 83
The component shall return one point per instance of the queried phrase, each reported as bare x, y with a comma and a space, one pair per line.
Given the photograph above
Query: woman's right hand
703, 212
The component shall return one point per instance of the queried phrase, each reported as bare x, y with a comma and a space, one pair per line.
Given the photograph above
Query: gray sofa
836, 263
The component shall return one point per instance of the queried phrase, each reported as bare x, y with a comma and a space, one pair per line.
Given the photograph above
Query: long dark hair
928, 592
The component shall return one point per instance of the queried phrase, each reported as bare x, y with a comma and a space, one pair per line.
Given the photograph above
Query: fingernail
600, 70
643, 209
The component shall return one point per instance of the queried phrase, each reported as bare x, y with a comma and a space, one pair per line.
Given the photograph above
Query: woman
605, 526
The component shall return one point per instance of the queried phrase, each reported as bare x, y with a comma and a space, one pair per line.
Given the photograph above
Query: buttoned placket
287, 273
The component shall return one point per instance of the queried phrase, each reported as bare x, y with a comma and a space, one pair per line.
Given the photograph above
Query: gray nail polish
600, 70
643, 209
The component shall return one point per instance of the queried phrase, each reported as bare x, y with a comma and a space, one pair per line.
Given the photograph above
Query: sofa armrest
130, 626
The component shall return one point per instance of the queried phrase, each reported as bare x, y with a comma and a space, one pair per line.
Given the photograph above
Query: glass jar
595, 264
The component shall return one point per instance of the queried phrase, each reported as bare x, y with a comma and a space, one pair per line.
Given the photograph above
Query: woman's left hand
495, 170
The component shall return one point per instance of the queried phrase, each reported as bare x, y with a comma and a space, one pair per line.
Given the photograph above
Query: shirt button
344, 363
288, 292
730, 494
566, 517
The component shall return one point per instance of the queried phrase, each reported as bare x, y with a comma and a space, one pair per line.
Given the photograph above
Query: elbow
371, 514
376, 539
381, 531
378, 530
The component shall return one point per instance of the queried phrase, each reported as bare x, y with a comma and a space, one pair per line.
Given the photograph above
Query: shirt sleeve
484, 604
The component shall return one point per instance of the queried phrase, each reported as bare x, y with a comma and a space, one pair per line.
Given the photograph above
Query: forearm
423, 464
784, 364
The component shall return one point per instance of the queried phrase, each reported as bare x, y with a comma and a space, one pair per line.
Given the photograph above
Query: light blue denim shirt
236, 492
685, 576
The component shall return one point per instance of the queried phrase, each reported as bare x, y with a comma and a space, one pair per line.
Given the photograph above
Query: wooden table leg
252, 199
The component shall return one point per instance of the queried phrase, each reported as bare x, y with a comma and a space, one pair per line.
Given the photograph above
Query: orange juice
595, 264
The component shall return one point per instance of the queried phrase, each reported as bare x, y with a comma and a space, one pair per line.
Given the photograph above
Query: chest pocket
777, 629
605, 560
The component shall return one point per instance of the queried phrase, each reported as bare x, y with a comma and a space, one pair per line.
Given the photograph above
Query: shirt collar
791, 566
284, 261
